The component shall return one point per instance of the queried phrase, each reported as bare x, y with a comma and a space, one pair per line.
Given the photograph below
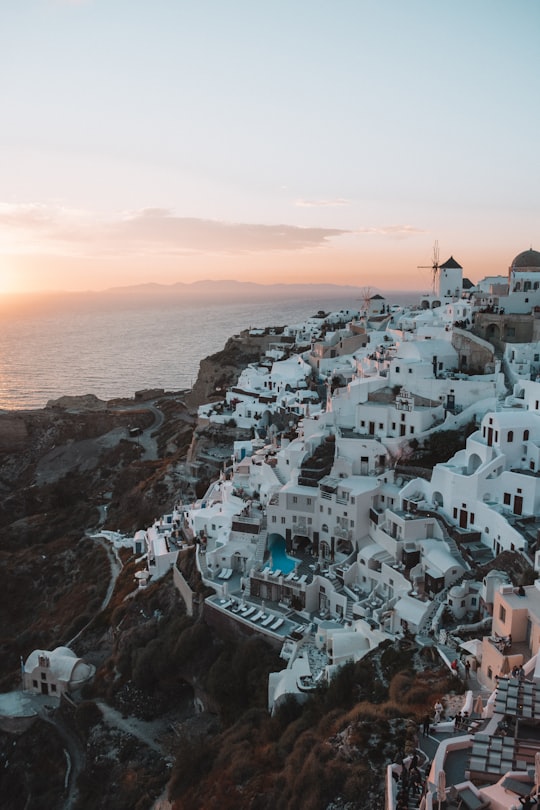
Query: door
44, 688
463, 518
518, 504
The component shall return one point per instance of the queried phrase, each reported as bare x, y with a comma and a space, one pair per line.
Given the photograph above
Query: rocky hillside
220, 371
135, 734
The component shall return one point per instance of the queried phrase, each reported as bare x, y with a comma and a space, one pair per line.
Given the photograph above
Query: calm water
115, 352
115, 347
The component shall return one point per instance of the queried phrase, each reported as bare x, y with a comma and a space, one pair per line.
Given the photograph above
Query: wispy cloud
395, 231
336, 202
152, 230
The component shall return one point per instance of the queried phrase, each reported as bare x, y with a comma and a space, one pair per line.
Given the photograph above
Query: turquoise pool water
280, 560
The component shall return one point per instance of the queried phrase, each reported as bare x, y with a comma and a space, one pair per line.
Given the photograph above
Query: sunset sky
292, 140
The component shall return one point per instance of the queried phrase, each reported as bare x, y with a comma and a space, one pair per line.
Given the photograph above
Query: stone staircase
261, 547
338, 588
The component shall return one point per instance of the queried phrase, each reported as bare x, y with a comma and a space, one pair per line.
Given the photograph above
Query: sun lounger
269, 619
227, 573
302, 579
276, 573
257, 616
277, 624
248, 612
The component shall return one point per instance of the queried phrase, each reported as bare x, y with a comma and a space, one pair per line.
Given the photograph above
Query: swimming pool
280, 560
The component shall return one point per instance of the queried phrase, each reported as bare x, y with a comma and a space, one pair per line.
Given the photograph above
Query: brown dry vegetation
49, 592
39, 786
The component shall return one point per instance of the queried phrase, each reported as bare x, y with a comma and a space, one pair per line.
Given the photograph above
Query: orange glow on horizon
390, 269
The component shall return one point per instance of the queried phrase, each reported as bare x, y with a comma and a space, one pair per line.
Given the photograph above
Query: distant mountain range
210, 291
239, 290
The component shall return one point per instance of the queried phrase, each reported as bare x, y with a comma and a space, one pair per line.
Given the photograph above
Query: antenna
434, 267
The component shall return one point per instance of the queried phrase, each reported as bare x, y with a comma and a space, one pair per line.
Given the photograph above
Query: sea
115, 350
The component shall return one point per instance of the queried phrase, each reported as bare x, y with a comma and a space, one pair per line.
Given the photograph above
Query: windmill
434, 267
365, 297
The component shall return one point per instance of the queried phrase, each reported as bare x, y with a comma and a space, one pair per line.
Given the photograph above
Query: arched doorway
473, 463
438, 499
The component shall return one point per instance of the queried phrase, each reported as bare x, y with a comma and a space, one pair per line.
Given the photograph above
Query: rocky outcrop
86, 402
220, 371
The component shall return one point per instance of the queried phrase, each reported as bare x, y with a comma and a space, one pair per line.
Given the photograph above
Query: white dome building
56, 672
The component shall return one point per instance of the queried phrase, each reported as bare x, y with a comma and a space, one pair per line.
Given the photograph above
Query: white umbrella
441, 787
537, 771
505, 666
479, 705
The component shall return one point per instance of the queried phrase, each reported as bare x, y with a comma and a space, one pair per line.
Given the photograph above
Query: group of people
466, 668
461, 720
410, 783
503, 643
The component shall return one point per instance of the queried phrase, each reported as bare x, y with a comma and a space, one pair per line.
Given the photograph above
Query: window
397, 369
472, 517
525, 435
410, 371
294, 518
295, 499
53, 687
489, 673
502, 613
473, 601
463, 603
43, 676
510, 435
308, 501
34, 684
506, 498
283, 520
274, 518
